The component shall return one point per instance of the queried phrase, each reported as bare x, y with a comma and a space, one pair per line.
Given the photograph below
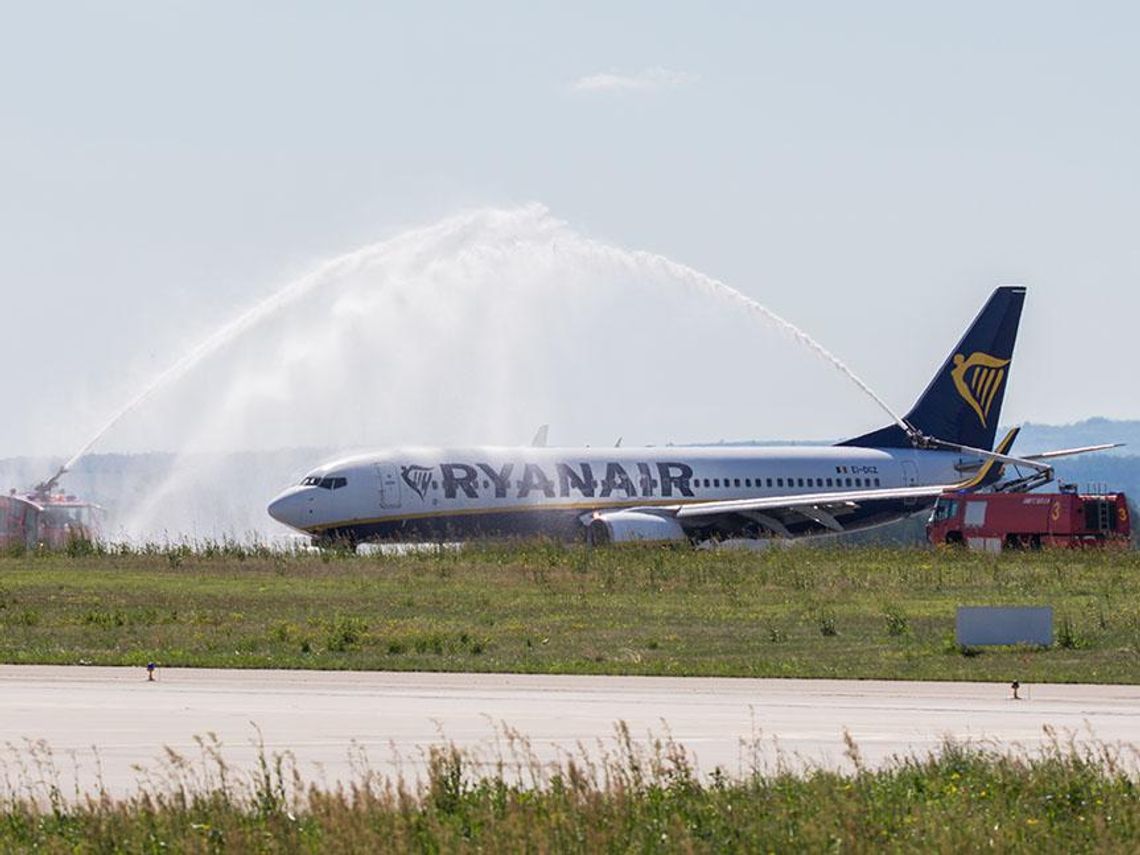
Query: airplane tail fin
962, 404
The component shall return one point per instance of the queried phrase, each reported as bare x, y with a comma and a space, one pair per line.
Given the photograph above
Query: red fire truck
996, 521
47, 520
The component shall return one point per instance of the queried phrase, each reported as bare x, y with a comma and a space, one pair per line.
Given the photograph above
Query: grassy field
801, 612
1063, 799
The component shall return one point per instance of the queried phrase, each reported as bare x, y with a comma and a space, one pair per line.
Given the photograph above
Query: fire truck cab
996, 521
32, 521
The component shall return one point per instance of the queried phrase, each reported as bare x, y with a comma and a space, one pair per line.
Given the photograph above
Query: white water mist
472, 330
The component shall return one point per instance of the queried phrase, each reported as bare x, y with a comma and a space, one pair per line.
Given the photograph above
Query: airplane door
389, 484
910, 478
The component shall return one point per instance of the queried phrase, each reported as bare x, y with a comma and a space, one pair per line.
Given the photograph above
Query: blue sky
870, 171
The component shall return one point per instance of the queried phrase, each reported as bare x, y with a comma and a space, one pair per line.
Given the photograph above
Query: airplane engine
633, 527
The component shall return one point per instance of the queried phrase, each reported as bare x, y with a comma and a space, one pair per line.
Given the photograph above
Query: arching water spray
266, 308
356, 338
727, 292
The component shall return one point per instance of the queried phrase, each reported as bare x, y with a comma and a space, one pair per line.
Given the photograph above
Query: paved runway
320, 716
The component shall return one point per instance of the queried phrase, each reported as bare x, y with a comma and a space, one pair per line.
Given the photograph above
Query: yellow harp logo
978, 379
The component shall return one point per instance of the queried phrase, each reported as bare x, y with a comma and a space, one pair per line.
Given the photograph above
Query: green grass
540, 607
643, 799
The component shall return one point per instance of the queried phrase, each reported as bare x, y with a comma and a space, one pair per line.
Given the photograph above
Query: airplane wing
1047, 455
777, 513
1069, 452
826, 509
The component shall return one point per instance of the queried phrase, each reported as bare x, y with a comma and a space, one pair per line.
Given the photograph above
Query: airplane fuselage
430, 494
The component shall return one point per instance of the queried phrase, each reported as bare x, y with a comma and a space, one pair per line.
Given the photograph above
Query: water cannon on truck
44, 518
1070, 519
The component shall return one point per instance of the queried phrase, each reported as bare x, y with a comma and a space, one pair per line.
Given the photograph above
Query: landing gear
338, 541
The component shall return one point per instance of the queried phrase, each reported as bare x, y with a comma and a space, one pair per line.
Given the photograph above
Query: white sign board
978, 626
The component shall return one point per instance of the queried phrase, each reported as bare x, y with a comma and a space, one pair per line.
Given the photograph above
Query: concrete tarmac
112, 722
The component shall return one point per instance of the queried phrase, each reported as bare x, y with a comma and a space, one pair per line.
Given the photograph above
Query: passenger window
706, 482
848, 482
779, 482
829, 482
769, 482
800, 482
876, 482
735, 482
716, 482
858, 482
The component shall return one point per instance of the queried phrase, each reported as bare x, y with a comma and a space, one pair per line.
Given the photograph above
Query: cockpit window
68, 515
944, 509
326, 483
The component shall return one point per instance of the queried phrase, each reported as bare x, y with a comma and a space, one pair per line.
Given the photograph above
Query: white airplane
686, 493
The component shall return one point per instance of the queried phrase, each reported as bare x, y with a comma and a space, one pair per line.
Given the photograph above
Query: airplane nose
287, 508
